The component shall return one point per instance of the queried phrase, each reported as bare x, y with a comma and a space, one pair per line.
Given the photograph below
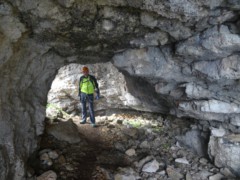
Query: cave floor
123, 141
88, 159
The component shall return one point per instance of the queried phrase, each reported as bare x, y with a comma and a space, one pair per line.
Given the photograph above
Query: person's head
85, 70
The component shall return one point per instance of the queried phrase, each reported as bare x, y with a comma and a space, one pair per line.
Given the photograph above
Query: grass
139, 124
166, 146
135, 124
54, 106
157, 129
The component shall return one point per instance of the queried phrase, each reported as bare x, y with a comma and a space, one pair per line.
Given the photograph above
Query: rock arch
188, 51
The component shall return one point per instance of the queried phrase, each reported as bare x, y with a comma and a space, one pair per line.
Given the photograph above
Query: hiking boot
82, 122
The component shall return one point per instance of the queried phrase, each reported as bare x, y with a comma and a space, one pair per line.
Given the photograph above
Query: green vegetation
166, 146
139, 124
135, 124
157, 129
54, 106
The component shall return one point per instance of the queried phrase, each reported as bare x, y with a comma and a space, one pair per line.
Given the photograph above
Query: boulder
225, 152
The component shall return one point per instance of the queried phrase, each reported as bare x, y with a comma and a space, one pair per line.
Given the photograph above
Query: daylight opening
125, 143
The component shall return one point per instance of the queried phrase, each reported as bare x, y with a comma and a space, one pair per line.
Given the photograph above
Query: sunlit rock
225, 152
150, 167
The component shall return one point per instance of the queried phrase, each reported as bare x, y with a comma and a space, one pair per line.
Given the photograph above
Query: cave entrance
125, 144
63, 95
76, 145
69, 150
75, 151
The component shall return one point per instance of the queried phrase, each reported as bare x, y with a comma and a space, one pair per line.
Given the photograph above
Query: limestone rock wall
197, 76
186, 52
224, 151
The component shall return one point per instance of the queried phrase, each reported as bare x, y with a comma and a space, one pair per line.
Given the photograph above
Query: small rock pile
123, 146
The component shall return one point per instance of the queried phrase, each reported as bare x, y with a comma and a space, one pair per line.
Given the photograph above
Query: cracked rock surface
186, 53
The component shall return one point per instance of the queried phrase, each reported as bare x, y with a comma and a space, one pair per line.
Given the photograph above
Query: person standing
87, 86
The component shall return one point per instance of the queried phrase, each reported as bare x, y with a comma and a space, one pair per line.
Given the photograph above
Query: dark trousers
84, 99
